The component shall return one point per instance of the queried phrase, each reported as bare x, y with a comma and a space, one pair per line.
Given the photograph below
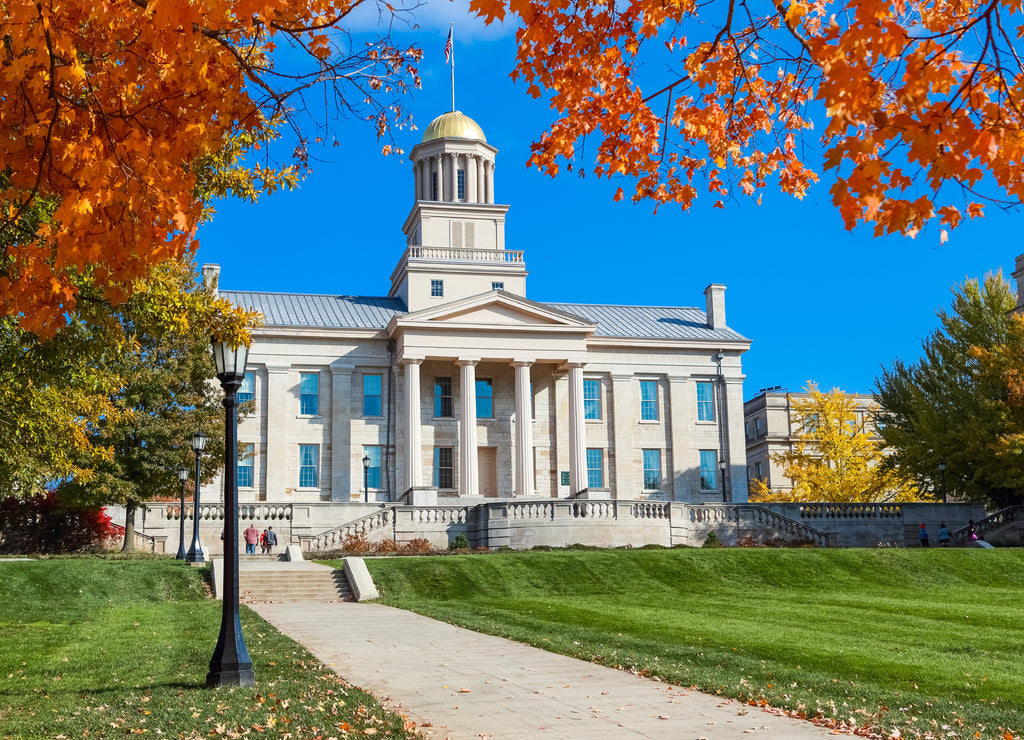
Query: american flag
448, 48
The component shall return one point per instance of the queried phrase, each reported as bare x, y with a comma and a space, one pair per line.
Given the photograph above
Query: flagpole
451, 35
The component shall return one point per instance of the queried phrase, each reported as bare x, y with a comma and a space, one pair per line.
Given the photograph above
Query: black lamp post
942, 469
725, 493
195, 551
366, 476
182, 476
230, 664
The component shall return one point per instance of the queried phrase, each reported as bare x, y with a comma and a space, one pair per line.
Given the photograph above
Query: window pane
443, 467
443, 406
373, 477
591, 399
484, 398
649, 400
309, 390
247, 391
245, 452
705, 402
437, 288
371, 395
309, 466
595, 468
652, 470
708, 470
462, 184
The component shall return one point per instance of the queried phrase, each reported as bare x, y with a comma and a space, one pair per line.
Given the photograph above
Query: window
533, 403
757, 427
746, 429
371, 395
591, 399
309, 394
309, 466
433, 186
443, 468
443, 406
497, 286
462, 184
708, 470
595, 468
373, 471
705, 401
437, 288
245, 453
757, 470
649, 400
652, 470
247, 391
484, 398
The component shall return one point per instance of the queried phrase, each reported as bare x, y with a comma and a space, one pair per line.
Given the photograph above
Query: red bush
43, 524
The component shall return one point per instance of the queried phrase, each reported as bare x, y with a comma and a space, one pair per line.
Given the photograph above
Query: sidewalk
460, 684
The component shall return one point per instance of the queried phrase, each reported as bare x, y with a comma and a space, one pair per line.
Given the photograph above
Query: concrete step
269, 584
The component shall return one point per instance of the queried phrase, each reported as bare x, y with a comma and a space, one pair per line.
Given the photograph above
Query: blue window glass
443, 467
649, 400
484, 398
595, 468
708, 470
371, 395
433, 186
245, 454
652, 470
443, 403
497, 286
462, 184
309, 466
373, 471
309, 394
247, 391
705, 402
591, 399
437, 288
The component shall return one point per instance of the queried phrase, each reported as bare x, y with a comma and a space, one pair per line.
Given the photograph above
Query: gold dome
453, 125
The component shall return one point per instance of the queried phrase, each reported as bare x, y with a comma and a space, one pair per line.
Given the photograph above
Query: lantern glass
366, 462
183, 473
198, 441
229, 360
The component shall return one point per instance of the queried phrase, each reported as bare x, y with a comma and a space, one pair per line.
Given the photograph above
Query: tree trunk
129, 528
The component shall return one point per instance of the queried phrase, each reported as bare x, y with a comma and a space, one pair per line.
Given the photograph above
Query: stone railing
456, 254
651, 510
543, 511
850, 511
753, 520
209, 512
364, 526
439, 514
984, 526
593, 509
144, 542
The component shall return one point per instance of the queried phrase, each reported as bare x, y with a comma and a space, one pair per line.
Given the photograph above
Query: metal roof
370, 312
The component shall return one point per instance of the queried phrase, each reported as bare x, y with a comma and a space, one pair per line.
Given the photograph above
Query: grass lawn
927, 642
113, 648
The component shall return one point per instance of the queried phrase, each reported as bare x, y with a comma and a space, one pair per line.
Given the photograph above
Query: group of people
266, 541
972, 535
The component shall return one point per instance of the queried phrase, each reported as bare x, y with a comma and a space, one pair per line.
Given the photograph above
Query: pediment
498, 309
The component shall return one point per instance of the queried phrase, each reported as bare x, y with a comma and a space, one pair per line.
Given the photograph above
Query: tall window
649, 400
245, 453
443, 404
484, 398
708, 470
247, 391
437, 288
309, 394
652, 470
462, 184
433, 186
595, 467
591, 399
443, 467
309, 466
373, 471
757, 470
757, 427
705, 401
371, 395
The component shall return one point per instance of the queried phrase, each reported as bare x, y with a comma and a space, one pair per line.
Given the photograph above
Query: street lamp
195, 551
230, 664
942, 469
366, 477
722, 467
182, 476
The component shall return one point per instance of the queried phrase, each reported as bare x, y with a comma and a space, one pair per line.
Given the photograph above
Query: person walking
924, 536
252, 536
271, 539
943, 535
263, 542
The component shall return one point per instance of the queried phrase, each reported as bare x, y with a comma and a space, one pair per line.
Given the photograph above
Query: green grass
113, 648
920, 641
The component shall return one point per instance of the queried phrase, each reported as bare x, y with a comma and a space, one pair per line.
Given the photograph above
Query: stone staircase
271, 578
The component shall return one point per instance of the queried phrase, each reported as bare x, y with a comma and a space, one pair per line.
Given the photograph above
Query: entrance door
487, 465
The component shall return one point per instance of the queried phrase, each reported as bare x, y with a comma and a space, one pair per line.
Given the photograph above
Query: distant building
770, 427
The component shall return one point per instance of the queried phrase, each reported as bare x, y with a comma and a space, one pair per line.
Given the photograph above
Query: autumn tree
107, 107
962, 402
835, 456
914, 108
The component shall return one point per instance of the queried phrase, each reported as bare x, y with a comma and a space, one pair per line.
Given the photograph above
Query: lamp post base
231, 677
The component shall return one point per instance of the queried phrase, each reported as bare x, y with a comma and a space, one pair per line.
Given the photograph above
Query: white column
736, 451
452, 179
627, 484
281, 406
413, 437
415, 181
471, 160
481, 182
341, 432
577, 431
425, 178
490, 182
469, 482
681, 397
440, 176
524, 430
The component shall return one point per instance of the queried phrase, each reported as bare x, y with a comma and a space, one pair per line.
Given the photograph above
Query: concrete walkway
460, 684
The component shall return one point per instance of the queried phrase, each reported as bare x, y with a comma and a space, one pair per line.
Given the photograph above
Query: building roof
369, 312
453, 125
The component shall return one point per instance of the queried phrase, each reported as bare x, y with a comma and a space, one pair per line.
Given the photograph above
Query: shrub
355, 543
45, 524
385, 546
417, 544
460, 542
712, 540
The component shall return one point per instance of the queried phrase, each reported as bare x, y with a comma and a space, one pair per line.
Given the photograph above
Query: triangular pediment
495, 308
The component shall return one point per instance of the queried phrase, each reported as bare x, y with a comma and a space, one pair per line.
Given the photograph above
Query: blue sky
819, 303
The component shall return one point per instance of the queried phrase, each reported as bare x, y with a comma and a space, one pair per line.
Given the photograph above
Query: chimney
714, 294
211, 276
1018, 275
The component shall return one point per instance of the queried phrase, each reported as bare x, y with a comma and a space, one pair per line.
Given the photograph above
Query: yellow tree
835, 456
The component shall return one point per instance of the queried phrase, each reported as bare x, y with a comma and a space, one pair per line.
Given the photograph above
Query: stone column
490, 182
680, 396
282, 408
469, 483
627, 485
425, 178
736, 450
440, 176
341, 432
481, 182
524, 430
449, 181
416, 181
471, 178
577, 431
560, 438
413, 443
